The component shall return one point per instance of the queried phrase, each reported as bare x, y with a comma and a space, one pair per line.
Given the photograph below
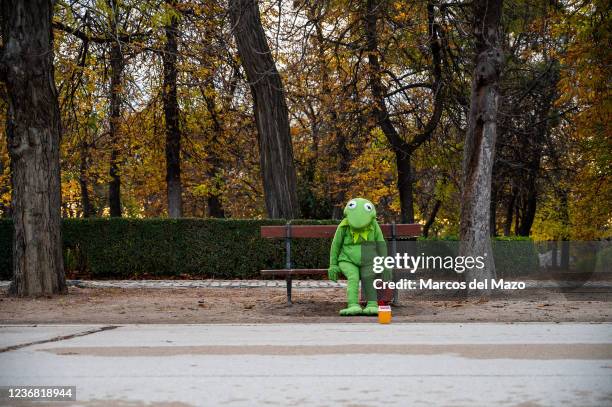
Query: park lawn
268, 305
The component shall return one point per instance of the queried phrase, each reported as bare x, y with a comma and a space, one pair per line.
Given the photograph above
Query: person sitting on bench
357, 240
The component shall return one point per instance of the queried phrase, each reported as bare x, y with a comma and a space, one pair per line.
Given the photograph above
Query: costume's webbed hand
333, 273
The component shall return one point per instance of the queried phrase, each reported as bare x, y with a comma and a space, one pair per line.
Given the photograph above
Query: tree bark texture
271, 114
171, 115
479, 148
33, 133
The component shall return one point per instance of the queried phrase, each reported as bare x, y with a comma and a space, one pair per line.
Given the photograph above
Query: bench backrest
328, 231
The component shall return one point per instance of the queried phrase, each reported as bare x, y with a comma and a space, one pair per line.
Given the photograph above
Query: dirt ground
268, 305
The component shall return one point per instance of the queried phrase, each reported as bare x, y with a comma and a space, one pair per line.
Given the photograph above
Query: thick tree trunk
271, 115
479, 149
114, 188
33, 133
171, 114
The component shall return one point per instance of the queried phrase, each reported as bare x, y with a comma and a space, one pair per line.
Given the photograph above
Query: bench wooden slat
328, 231
401, 229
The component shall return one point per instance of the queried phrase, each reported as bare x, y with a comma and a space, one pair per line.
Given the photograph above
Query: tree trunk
529, 209
403, 150
565, 222
479, 148
214, 207
344, 163
432, 218
381, 114
517, 215
33, 135
85, 200
5, 210
171, 115
493, 212
509, 212
114, 189
555, 255
271, 115
404, 185
536, 143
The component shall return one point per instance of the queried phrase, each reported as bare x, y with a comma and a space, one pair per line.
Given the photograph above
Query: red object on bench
391, 231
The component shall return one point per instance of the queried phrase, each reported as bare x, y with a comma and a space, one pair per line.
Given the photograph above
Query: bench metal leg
395, 278
289, 284
395, 301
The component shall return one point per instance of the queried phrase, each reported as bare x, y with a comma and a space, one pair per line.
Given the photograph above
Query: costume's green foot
351, 310
370, 309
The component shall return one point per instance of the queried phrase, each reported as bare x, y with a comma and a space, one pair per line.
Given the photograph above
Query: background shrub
199, 248
514, 255
208, 248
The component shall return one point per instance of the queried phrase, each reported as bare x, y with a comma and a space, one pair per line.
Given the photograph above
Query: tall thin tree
117, 65
171, 115
33, 132
479, 148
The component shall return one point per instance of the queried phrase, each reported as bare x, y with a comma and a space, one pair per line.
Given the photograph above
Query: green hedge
514, 255
203, 248
206, 248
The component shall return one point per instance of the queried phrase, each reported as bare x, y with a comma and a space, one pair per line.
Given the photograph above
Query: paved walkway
197, 283
525, 364
545, 284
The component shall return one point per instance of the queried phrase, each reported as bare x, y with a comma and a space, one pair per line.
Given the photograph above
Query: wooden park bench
391, 231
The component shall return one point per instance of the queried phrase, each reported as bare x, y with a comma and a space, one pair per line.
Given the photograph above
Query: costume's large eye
368, 207
352, 205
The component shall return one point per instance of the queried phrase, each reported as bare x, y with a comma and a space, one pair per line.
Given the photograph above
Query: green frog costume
357, 239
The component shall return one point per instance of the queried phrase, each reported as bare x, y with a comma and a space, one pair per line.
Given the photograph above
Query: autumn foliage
552, 172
